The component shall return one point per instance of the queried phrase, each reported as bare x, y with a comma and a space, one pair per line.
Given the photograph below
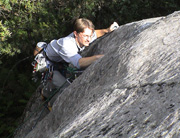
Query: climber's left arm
101, 32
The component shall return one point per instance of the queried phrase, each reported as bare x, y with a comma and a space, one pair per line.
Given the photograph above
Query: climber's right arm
86, 61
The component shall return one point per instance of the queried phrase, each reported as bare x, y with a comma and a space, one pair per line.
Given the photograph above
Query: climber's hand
113, 27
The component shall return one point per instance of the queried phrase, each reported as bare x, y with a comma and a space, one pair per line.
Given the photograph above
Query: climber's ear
75, 33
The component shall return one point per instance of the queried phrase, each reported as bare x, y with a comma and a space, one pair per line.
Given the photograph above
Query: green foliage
4, 32
125, 11
23, 23
16, 90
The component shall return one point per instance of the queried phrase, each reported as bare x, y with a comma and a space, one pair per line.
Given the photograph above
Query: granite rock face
133, 91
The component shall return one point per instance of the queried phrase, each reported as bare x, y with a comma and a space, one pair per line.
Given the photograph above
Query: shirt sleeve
68, 50
75, 60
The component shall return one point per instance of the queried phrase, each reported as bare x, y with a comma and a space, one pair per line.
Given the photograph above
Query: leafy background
23, 23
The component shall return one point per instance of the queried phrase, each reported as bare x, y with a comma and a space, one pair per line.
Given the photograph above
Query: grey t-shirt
66, 49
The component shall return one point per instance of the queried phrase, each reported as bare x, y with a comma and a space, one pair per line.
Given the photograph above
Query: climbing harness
73, 73
42, 64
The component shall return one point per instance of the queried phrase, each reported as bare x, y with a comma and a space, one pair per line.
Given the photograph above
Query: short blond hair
82, 23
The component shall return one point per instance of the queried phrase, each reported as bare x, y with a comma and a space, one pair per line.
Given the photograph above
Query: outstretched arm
101, 32
86, 61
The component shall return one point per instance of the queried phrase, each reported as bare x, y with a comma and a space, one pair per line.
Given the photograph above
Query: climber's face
84, 38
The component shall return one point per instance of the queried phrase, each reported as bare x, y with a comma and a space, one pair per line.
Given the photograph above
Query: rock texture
133, 91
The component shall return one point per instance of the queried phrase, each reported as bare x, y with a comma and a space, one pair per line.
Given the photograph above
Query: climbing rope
73, 74
38, 109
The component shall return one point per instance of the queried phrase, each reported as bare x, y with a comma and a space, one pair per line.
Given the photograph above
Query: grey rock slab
133, 91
